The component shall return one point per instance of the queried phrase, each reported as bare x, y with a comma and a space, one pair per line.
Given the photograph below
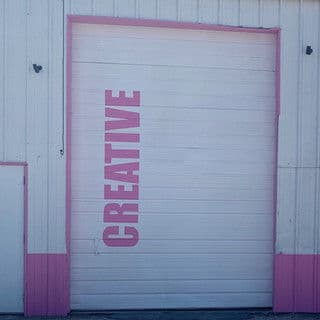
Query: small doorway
11, 237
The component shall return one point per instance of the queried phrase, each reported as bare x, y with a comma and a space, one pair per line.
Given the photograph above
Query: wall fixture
37, 68
309, 50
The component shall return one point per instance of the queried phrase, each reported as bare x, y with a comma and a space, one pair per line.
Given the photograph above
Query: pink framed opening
71, 19
25, 215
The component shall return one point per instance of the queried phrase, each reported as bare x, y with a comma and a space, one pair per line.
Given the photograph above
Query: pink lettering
121, 193
122, 100
130, 119
122, 172
110, 153
119, 234
120, 242
119, 216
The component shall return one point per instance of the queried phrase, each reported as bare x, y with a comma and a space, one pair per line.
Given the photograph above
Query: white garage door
11, 239
172, 179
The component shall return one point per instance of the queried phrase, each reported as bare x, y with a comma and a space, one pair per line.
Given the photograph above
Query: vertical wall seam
177, 10
157, 9
280, 6
137, 9
115, 8
260, 14
198, 11
239, 13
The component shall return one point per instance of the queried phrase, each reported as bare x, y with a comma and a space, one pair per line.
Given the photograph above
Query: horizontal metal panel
241, 300
96, 246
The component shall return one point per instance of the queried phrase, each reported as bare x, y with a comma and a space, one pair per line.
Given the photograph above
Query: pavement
177, 315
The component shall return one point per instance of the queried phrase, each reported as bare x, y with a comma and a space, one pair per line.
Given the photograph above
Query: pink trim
275, 175
25, 213
46, 286
15, 164
297, 283
162, 24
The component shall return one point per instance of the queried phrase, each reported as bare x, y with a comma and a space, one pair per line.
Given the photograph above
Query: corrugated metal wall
31, 107
31, 110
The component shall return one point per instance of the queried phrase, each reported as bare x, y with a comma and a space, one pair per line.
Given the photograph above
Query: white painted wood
206, 165
11, 234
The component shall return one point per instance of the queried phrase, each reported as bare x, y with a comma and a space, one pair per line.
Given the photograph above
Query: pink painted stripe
15, 164
47, 285
297, 283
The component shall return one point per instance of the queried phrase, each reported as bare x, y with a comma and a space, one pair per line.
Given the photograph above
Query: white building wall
32, 105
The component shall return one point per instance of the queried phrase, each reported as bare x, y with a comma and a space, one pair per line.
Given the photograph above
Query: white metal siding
31, 112
31, 104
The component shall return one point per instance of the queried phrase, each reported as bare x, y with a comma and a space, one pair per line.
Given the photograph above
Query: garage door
172, 168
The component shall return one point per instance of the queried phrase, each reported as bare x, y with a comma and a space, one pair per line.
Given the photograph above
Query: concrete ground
177, 315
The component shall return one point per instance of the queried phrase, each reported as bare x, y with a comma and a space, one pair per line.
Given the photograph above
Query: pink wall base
47, 285
297, 283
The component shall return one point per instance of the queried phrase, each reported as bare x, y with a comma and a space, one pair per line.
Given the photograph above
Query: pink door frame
25, 215
71, 19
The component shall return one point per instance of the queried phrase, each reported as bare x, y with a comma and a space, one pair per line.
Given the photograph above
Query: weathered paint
40, 122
